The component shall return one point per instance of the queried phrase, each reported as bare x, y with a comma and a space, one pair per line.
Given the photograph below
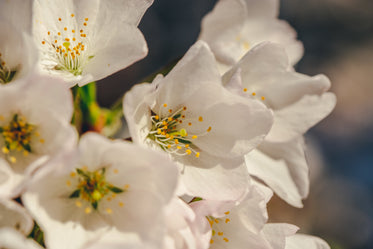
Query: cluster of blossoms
210, 143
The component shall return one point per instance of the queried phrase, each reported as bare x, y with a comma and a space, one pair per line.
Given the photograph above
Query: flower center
92, 187
67, 47
170, 132
17, 136
217, 225
6, 73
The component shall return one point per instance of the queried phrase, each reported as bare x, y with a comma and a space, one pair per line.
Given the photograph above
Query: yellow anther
184, 108
109, 211
25, 153
178, 147
189, 124
2, 118
216, 221
226, 213
85, 24
127, 186
245, 89
81, 31
5, 150
86, 19
169, 146
200, 119
159, 131
87, 210
72, 15
211, 241
169, 119
209, 129
164, 105
43, 42
121, 204
176, 141
227, 220
220, 233
12, 159
68, 183
156, 117
72, 174
253, 94
78, 204
226, 239
187, 146
194, 136
197, 154
59, 19
263, 98
65, 28
188, 152
42, 141
116, 171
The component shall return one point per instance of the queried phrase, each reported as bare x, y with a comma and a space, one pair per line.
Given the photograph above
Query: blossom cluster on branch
211, 140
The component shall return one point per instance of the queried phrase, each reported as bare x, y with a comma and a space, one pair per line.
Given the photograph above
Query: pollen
263, 98
227, 220
87, 210
253, 94
164, 105
226, 213
109, 210
121, 204
194, 136
197, 154
220, 233
59, 19
72, 15
200, 119
188, 152
245, 89
209, 129
211, 241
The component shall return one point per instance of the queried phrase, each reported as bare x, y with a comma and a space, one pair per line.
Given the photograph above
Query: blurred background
338, 41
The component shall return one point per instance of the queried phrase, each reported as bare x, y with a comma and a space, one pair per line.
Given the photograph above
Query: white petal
215, 183
277, 233
281, 178
15, 216
18, 13
266, 71
302, 241
296, 119
10, 238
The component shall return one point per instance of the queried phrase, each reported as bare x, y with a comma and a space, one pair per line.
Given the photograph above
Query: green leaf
75, 194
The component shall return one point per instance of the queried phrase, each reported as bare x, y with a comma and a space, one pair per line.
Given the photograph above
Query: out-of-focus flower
111, 186
33, 128
234, 224
17, 50
298, 102
84, 41
12, 239
183, 228
236, 26
13, 215
205, 128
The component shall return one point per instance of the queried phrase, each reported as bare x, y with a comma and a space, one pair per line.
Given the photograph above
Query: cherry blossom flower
84, 41
17, 49
242, 222
201, 125
110, 187
32, 128
298, 102
233, 27
302, 241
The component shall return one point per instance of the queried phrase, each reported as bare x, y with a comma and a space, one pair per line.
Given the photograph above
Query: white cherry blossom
32, 128
15, 216
233, 27
84, 41
298, 102
110, 188
201, 125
